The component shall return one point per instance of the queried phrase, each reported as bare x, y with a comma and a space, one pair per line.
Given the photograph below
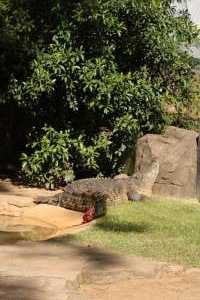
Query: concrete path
51, 271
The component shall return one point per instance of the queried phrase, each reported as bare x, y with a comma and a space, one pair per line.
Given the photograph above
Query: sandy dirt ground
166, 288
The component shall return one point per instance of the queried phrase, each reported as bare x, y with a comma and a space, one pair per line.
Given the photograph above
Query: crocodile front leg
133, 195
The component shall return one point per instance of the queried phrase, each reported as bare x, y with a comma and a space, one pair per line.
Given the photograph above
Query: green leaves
87, 65
49, 162
54, 155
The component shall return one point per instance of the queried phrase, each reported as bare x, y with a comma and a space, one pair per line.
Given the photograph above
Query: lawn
161, 229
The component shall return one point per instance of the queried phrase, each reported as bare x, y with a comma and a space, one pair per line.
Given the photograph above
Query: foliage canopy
83, 79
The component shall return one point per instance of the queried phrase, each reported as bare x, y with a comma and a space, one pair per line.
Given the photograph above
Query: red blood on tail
89, 215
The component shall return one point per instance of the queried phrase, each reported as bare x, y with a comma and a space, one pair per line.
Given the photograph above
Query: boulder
176, 149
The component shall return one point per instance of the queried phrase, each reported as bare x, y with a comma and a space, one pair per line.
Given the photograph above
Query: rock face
177, 153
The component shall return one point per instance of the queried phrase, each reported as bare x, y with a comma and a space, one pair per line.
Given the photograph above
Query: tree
100, 74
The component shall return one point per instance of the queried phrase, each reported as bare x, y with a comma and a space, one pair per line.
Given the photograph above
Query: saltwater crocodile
98, 193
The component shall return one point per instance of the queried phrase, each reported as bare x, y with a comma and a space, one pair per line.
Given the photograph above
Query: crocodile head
146, 179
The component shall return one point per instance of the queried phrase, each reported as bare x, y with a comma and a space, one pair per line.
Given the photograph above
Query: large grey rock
177, 153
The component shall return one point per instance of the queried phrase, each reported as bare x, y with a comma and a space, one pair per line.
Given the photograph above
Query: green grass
160, 229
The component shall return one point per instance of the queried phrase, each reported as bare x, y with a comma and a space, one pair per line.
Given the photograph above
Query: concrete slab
32, 288
57, 216
18, 201
53, 271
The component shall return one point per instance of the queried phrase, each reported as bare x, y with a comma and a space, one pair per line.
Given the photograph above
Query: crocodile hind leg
53, 200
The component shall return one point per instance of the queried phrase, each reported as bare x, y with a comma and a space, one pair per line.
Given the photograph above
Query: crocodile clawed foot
40, 200
47, 200
137, 197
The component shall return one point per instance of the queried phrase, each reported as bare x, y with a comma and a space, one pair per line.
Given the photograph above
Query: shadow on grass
116, 225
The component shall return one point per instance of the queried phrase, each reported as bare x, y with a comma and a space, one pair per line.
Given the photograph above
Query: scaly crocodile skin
83, 194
